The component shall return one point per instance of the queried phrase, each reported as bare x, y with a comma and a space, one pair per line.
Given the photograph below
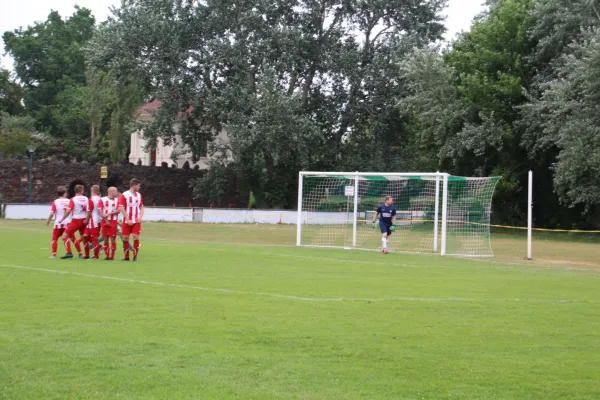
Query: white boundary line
291, 297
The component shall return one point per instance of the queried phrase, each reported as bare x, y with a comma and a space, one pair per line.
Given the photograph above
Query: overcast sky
21, 13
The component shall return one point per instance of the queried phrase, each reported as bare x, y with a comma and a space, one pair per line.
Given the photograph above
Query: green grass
236, 312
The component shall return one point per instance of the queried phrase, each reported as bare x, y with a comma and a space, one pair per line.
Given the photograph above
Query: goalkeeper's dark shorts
385, 227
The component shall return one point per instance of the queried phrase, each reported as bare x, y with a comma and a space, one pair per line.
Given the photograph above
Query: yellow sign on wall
103, 172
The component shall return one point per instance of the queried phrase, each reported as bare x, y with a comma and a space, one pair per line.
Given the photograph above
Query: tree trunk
92, 135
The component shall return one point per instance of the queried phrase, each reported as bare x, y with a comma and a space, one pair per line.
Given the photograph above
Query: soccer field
238, 312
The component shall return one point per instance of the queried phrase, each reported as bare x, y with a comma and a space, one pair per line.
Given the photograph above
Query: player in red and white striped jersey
92, 230
131, 206
109, 224
57, 211
79, 210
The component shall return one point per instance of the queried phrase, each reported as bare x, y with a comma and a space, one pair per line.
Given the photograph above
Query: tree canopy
291, 81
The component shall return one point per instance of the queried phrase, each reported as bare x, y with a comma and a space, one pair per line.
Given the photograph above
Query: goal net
436, 212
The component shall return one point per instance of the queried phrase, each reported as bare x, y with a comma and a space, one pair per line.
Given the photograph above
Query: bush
211, 187
92, 157
14, 143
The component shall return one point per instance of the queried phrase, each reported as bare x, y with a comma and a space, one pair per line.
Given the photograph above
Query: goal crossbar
386, 174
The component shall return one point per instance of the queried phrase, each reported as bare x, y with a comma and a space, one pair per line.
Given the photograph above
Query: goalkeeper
387, 221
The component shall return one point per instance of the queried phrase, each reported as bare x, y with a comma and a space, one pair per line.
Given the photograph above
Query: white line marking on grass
340, 260
291, 297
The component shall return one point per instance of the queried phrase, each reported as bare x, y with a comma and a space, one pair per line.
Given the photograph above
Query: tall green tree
276, 74
125, 101
463, 102
568, 118
50, 63
562, 36
100, 95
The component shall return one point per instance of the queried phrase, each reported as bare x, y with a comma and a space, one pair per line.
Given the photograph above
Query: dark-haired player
80, 213
57, 212
92, 230
109, 226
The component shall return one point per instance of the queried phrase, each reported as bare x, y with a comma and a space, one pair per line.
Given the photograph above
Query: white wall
168, 214
210, 215
27, 211
237, 216
36, 211
203, 215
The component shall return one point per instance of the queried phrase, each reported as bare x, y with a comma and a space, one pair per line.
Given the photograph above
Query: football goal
436, 212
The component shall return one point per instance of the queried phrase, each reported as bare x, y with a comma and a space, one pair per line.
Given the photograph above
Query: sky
22, 13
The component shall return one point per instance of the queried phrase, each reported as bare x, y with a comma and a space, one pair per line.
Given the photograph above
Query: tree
314, 73
558, 23
463, 103
17, 122
561, 27
568, 114
99, 96
15, 134
49, 61
11, 94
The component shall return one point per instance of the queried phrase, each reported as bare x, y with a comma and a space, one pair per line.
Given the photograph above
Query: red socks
76, 243
86, 246
97, 246
67, 245
54, 247
126, 249
136, 247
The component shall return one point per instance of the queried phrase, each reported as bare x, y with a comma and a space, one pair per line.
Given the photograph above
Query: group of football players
97, 219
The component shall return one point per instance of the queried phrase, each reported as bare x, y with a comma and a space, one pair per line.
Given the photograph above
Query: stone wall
160, 186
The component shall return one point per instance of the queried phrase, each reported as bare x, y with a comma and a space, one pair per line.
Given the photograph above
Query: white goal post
437, 213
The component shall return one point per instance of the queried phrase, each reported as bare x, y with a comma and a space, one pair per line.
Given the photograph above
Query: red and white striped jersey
110, 205
132, 202
80, 205
95, 206
59, 208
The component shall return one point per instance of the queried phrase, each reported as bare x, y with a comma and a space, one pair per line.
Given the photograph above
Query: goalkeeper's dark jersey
386, 213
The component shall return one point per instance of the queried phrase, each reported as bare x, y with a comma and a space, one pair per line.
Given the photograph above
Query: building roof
147, 110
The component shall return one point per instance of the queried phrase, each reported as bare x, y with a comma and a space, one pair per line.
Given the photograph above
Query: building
162, 152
